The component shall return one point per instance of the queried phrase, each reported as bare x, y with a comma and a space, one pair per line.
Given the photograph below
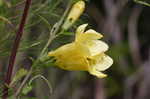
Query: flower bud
74, 14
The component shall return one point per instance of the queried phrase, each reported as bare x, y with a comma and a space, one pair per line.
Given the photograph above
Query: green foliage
25, 46
29, 86
43, 15
27, 89
143, 2
45, 21
21, 73
1, 3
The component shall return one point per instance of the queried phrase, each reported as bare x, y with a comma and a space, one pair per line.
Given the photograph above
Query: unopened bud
74, 14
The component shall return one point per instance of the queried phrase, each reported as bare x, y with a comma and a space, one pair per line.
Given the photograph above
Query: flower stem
15, 47
52, 36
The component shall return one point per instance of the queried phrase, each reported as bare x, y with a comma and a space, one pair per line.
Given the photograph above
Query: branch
52, 36
15, 47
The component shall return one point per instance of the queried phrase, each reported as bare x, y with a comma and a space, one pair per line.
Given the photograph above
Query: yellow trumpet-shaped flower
86, 53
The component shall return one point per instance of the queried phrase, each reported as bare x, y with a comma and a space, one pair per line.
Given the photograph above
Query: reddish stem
15, 47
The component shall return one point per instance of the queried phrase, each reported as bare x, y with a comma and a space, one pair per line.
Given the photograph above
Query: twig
56, 28
53, 32
47, 82
23, 83
15, 46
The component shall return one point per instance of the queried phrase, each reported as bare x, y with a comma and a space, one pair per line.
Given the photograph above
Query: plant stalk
52, 36
15, 47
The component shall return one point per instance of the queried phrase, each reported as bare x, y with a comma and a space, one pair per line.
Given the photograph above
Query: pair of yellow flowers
86, 53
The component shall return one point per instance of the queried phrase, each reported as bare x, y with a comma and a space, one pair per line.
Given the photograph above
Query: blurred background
125, 25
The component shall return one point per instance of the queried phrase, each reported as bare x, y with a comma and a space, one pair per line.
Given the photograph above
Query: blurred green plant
143, 2
54, 31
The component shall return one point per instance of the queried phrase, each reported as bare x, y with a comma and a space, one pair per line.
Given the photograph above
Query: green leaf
21, 73
45, 80
27, 46
143, 2
23, 47
1, 3
45, 61
45, 21
4, 19
27, 89
67, 33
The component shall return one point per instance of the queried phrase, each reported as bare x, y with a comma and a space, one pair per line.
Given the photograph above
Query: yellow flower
75, 12
86, 53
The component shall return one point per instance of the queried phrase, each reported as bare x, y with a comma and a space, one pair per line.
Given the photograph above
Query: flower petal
103, 62
81, 28
92, 34
61, 50
71, 49
97, 73
76, 62
79, 32
88, 36
97, 47
71, 56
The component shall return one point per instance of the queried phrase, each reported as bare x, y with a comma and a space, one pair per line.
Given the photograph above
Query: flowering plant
86, 53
